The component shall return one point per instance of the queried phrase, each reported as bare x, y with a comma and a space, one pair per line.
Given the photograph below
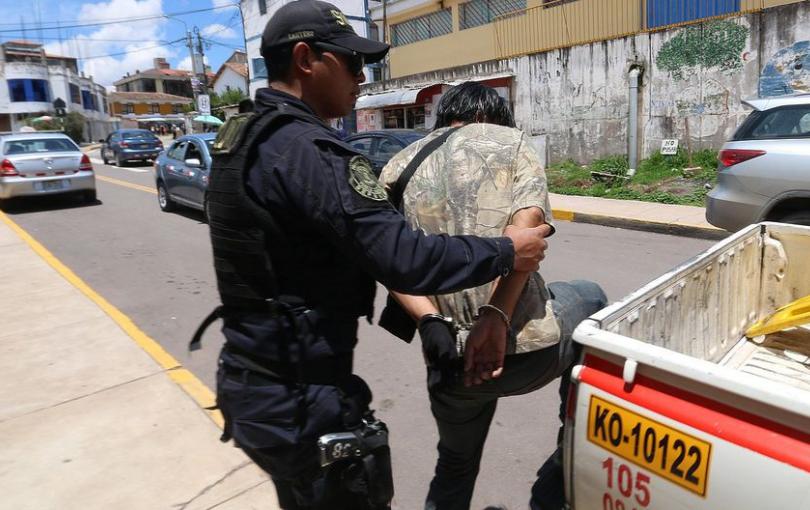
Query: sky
120, 42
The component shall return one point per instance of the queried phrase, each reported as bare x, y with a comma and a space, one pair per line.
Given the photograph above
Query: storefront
414, 108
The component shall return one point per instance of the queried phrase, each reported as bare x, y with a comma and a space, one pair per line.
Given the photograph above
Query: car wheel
164, 200
104, 158
797, 218
90, 196
118, 161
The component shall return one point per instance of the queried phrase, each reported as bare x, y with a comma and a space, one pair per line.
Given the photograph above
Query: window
177, 108
262, 7
421, 28
259, 69
29, 90
481, 12
129, 108
39, 145
154, 108
89, 100
193, 152
787, 122
388, 148
106, 106
75, 94
177, 150
362, 145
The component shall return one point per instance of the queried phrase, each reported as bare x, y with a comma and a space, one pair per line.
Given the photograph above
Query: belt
323, 371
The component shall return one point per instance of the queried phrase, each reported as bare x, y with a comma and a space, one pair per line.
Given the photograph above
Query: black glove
439, 348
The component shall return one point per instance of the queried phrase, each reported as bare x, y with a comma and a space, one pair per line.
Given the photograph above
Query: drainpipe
633, 76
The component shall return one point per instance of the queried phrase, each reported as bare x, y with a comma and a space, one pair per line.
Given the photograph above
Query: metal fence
480, 12
421, 28
563, 23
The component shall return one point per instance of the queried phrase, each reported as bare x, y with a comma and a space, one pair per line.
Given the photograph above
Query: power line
79, 37
117, 54
117, 21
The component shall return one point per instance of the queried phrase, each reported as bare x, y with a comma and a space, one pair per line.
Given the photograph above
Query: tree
229, 97
73, 125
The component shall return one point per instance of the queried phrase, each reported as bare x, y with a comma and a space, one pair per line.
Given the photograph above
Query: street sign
204, 104
669, 147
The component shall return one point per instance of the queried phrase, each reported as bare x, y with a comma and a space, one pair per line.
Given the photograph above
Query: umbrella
208, 119
44, 118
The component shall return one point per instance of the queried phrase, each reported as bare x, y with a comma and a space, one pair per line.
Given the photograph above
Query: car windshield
35, 145
138, 135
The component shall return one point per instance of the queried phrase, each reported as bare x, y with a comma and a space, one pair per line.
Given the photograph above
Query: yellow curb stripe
561, 214
195, 388
126, 184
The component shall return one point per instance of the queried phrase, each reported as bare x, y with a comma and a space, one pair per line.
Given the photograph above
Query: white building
31, 80
232, 75
256, 13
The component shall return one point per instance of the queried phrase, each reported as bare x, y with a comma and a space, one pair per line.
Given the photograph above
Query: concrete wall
574, 101
229, 78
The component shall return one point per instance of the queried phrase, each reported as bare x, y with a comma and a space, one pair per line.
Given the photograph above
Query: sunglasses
355, 61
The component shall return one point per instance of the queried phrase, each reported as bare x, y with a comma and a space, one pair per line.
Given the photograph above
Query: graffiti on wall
716, 45
787, 72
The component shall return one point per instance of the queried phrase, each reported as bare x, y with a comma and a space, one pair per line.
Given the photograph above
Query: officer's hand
530, 246
439, 349
485, 349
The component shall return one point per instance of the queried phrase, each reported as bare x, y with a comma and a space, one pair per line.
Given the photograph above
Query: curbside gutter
674, 229
181, 376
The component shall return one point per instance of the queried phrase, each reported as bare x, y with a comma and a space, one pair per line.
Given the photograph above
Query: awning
389, 98
409, 95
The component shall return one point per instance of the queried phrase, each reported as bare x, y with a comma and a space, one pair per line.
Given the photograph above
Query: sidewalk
93, 413
681, 220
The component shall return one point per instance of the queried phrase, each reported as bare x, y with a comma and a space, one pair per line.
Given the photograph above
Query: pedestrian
475, 174
300, 229
175, 129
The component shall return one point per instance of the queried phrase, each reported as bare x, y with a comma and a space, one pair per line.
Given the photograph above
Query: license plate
679, 457
51, 185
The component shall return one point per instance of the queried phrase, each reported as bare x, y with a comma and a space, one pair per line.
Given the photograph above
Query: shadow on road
23, 205
192, 214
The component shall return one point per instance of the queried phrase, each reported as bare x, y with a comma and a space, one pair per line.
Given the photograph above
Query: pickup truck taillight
731, 157
7, 169
85, 165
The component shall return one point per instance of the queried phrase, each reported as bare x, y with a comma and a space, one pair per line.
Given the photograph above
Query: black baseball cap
313, 20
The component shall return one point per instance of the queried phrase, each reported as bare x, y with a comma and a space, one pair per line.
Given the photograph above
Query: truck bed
780, 357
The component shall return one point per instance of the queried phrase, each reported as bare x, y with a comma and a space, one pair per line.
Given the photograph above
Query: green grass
659, 178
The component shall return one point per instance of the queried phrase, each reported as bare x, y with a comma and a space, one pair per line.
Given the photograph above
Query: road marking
187, 381
136, 170
126, 184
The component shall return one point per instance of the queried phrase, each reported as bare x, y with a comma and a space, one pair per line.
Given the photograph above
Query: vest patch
362, 180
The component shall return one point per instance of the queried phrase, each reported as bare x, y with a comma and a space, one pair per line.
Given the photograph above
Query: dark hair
473, 102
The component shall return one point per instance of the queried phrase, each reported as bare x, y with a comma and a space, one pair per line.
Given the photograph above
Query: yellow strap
792, 314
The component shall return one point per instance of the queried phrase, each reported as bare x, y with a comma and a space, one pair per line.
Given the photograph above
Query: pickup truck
673, 407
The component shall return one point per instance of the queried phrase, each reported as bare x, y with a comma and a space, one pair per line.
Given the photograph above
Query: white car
43, 164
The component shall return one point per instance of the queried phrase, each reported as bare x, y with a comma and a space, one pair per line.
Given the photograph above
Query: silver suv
764, 171
43, 164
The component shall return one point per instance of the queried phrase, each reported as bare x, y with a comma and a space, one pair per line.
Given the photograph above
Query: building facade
162, 79
232, 74
256, 13
31, 80
147, 104
565, 66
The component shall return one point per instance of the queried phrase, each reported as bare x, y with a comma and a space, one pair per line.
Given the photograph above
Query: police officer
301, 229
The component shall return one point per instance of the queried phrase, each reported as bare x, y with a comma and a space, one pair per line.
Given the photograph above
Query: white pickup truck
672, 407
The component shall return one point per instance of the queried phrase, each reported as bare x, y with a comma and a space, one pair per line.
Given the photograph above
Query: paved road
156, 268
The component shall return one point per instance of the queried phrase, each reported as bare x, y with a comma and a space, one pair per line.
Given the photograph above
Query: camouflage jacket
473, 184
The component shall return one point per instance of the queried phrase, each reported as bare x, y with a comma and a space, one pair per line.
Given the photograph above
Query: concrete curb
674, 229
91, 147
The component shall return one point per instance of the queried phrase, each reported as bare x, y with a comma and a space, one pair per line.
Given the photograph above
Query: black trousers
277, 425
463, 414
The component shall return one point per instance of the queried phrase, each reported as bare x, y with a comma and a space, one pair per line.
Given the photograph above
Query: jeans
463, 414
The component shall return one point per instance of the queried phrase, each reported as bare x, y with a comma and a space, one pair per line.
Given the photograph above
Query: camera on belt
355, 444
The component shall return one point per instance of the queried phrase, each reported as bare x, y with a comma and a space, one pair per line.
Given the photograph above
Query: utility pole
190, 45
202, 75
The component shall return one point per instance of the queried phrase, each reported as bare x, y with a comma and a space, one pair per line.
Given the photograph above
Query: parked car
181, 172
764, 171
44, 164
381, 146
125, 145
